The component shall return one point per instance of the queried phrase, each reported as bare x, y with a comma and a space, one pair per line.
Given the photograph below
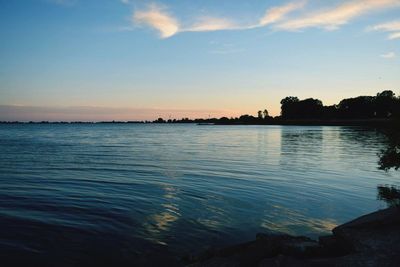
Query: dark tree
330, 112
265, 113
293, 108
260, 114
386, 94
248, 119
361, 107
159, 120
288, 106
390, 157
385, 104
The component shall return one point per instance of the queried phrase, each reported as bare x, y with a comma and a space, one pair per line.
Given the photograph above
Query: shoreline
370, 240
278, 122
368, 123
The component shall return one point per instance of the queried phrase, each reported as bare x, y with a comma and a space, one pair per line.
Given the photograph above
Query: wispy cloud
167, 25
158, 18
271, 16
205, 24
393, 36
389, 55
393, 27
387, 27
276, 14
333, 18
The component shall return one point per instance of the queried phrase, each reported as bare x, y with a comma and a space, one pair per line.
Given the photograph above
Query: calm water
81, 195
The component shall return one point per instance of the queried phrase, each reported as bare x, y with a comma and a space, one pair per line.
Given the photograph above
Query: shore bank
370, 240
379, 123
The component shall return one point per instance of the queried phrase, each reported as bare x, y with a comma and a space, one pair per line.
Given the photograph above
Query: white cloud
389, 55
157, 18
335, 17
272, 15
275, 14
386, 27
126, 2
211, 24
393, 36
393, 26
167, 25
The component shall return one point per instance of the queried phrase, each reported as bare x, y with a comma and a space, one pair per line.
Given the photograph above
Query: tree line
384, 105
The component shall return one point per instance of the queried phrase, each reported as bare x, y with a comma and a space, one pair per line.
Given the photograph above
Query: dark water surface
131, 195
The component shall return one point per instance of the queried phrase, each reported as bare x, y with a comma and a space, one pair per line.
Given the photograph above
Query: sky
139, 60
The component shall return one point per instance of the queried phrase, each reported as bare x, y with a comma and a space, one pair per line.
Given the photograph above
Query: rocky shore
370, 240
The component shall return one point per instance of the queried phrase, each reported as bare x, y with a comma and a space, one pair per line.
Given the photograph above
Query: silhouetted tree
265, 113
330, 112
293, 108
361, 107
386, 93
288, 106
224, 120
159, 120
260, 114
248, 119
310, 108
382, 106
390, 157
385, 104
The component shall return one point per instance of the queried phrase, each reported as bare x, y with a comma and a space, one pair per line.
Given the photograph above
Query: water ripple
123, 192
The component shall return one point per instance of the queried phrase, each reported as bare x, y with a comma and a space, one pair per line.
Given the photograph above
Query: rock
371, 240
216, 262
287, 261
380, 218
377, 231
331, 246
300, 248
278, 261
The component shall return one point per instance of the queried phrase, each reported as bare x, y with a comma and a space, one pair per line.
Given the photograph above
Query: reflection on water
390, 194
283, 220
304, 146
161, 222
119, 193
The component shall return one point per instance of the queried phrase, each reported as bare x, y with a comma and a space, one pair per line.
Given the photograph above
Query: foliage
383, 105
390, 157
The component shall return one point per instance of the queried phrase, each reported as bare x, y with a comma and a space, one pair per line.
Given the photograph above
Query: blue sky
142, 59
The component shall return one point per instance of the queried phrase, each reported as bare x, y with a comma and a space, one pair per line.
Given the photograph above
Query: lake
141, 194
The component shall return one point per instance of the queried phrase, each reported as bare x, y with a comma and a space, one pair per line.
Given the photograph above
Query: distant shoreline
359, 122
368, 122
381, 110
